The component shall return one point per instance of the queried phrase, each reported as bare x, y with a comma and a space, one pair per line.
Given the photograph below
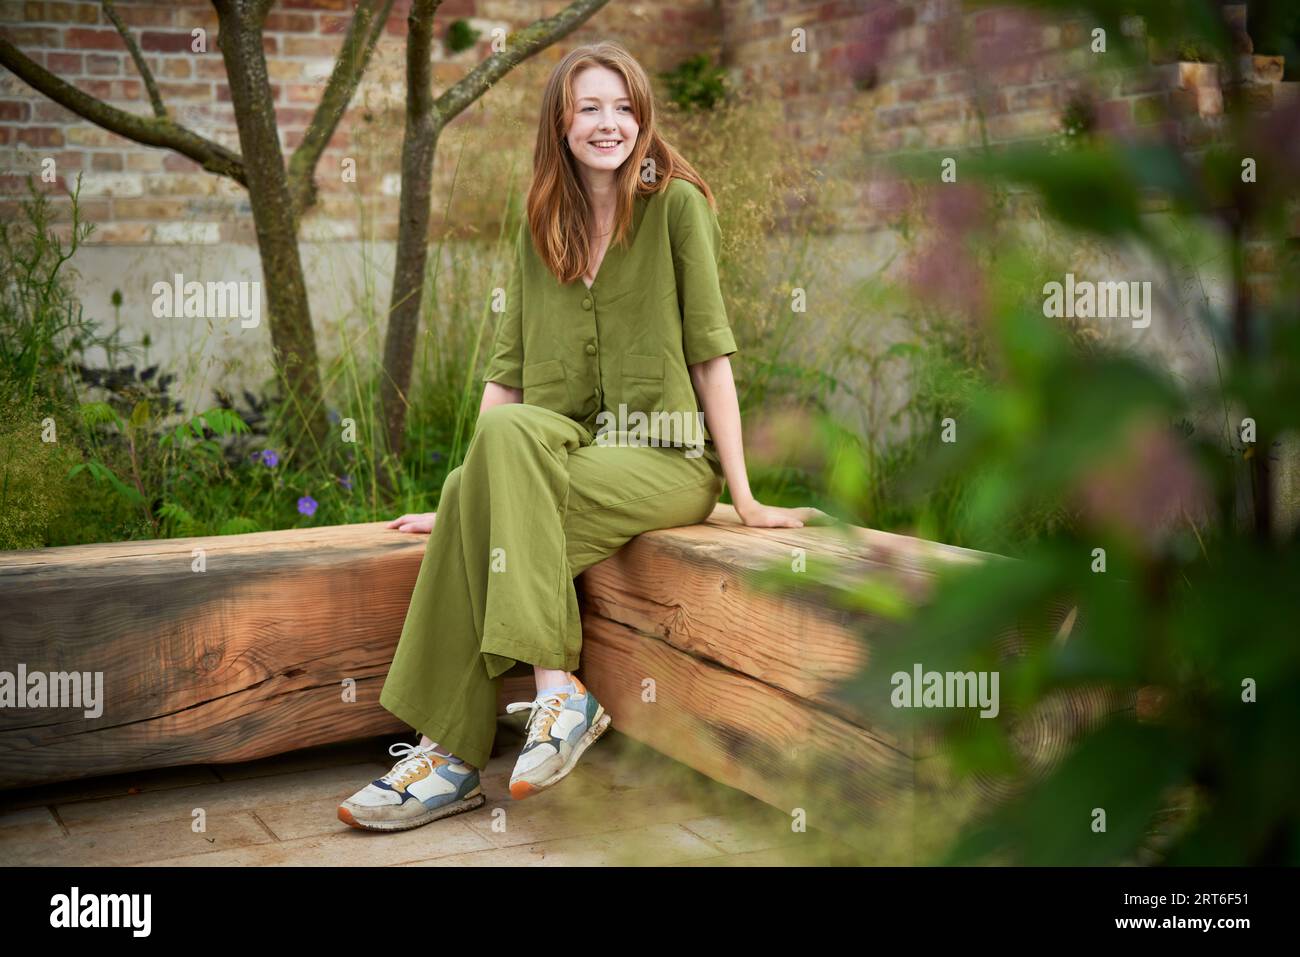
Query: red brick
1041, 97
958, 81
1115, 115
13, 184
180, 164
83, 38
64, 65
396, 25
47, 111
223, 92
14, 111
103, 64
891, 119
71, 12
210, 67
289, 23
122, 233
328, 5
302, 92
284, 69
39, 136
106, 162
148, 207
147, 15
176, 68
939, 111
915, 90
310, 46
166, 42
149, 162
70, 161
288, 116
184, 91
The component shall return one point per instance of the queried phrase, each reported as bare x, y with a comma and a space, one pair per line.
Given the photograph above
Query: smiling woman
539, 498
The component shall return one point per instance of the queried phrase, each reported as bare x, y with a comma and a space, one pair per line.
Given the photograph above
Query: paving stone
65, 792
655, 844
741, 833
223, 797
553, 815
33, 823
348, 847
309, 759
134, 842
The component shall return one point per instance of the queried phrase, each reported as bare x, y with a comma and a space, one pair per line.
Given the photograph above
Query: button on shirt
654, 308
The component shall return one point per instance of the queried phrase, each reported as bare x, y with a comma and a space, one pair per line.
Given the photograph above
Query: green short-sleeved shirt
655, 308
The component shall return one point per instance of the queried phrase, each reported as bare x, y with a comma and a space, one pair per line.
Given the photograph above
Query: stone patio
624, 803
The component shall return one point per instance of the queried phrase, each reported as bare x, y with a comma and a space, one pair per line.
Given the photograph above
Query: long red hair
559, 215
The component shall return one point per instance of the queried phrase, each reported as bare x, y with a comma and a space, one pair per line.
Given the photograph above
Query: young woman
613, 314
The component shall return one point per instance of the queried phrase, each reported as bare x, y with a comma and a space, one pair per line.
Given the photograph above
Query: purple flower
333, 416
346, 482
269, 458
435, 456
307, 505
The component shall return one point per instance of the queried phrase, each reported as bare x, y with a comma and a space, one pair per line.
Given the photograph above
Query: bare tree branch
147, 130
536, 36
293, 340
159, 110
367, 24
425, 119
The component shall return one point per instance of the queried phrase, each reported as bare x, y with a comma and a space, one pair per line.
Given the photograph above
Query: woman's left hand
758, 515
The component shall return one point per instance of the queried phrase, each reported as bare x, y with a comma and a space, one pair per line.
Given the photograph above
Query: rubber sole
474, 799
522, 789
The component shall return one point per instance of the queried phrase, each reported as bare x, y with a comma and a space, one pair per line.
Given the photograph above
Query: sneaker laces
548, 706
412, 757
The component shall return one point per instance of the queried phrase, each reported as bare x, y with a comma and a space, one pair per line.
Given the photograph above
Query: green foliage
1194, 606
40, 320
461, 35
29, 501
696, 83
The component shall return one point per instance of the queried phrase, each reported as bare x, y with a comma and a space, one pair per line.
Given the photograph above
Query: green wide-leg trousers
536, 502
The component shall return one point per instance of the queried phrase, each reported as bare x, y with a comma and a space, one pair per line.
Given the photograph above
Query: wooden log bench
232, 648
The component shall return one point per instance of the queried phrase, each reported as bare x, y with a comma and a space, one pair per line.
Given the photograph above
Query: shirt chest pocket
547, 384
643, 383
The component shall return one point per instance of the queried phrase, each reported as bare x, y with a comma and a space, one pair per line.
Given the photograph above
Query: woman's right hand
413, 523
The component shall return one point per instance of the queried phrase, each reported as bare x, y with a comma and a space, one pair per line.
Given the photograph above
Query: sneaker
561, 725
422, 787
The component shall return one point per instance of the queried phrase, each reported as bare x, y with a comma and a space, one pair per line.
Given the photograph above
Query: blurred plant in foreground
1179, 574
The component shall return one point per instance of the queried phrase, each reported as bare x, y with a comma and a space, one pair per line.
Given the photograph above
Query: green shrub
696, 84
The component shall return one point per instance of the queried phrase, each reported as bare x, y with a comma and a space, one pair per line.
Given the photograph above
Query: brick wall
140, 195
894, 75
876, 77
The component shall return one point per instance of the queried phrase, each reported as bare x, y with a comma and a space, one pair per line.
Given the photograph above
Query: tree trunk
425, 120
292, 338
419, 144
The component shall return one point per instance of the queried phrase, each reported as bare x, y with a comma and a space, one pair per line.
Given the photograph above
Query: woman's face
603, 129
